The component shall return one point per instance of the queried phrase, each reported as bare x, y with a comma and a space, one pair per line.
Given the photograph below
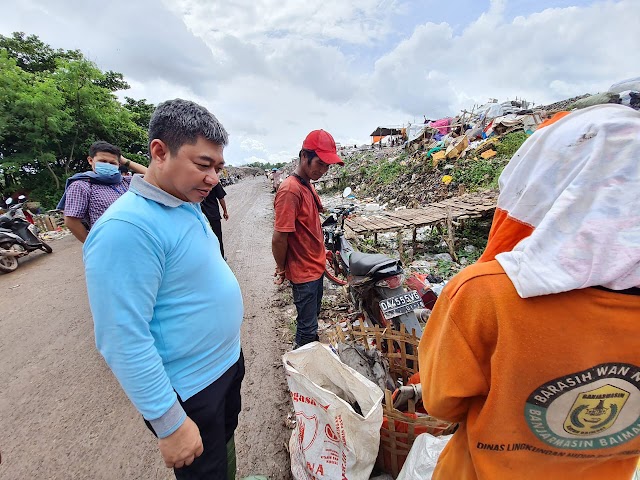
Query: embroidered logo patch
592, 409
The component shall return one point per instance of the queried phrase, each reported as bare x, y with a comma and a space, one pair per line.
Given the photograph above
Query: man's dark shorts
215, 411
308, 300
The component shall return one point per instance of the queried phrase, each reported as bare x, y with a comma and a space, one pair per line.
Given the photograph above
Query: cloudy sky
272, 70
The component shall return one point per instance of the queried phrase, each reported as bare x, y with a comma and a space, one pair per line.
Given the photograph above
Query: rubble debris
597, 99
290, 421
369, 363
56, 234
51, 221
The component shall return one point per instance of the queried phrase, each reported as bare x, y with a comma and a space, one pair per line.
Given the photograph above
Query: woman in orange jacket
535, 349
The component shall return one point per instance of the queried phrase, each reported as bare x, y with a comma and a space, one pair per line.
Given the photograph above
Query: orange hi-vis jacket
545, 388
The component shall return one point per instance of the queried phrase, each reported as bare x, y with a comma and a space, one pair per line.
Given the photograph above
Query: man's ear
158, 150
90, 160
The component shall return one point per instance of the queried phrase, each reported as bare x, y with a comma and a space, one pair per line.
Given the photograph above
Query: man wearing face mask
88, 195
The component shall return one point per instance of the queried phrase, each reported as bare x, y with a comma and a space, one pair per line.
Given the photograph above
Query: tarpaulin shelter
381, 132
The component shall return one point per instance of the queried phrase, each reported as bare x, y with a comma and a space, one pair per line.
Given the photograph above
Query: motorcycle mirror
9, 201
347, 191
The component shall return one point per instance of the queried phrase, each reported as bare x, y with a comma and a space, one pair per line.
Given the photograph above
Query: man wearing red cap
298, 244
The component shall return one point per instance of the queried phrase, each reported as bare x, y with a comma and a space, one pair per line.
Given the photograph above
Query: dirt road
62, 413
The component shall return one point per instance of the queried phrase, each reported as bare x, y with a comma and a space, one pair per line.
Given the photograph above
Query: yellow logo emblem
596, 410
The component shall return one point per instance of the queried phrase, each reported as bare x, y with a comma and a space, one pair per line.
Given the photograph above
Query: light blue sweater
167, 308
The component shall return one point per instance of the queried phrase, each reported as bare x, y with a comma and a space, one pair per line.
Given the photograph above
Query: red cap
324, 145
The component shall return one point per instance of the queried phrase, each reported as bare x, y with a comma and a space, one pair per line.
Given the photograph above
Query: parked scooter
18, 237
374, 280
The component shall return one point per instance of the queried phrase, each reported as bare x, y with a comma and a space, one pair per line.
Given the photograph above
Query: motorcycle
18, 237
374, 281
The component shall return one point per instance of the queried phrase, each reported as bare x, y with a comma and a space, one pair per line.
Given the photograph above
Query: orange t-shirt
544, 388
297, 213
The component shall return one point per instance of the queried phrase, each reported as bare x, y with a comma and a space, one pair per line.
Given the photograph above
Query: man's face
317, 168
191, 172
103, 157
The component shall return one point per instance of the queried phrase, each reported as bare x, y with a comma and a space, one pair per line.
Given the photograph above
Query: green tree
32, 121
266, 165
32, 54
140, 111
55, 103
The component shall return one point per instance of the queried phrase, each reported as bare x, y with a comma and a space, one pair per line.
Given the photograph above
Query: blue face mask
106, 169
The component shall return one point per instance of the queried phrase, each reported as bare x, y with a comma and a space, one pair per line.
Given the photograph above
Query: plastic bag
597, 99
338, 416
423, 456
628, 84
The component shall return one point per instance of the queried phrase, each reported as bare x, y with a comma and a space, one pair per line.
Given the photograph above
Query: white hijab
577, 182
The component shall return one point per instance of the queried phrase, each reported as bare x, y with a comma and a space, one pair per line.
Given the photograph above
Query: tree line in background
266, 166
54, 104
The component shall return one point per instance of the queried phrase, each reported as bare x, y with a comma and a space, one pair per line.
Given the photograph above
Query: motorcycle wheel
46, 247
334, 275
8, 264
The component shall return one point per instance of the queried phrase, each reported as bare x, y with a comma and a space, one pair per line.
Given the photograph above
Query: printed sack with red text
338, 416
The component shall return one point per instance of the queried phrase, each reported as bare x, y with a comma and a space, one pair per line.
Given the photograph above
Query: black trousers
307, 298
216, 226
215, 411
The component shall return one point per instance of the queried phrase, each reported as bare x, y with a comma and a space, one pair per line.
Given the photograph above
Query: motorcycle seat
362, 264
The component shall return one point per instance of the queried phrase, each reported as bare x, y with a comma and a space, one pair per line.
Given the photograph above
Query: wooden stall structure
447, 213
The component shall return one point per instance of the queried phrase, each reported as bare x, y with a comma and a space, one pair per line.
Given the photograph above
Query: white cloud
273, 70
544, 57
356, 21
251, 144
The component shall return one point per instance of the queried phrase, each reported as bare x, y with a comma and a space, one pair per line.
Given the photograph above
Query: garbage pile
55, 234
51, 221
432, 163
231, 175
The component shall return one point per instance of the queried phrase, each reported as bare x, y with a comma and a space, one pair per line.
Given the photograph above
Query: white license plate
400, 304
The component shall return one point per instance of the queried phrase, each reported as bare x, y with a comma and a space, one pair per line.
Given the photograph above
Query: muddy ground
62, 413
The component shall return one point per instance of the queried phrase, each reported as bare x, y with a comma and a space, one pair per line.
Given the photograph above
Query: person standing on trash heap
298, 242
88, 195
535, 349
172, 342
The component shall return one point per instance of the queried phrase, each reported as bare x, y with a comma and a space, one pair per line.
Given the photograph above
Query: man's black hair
101, 146
310, 155
178, 122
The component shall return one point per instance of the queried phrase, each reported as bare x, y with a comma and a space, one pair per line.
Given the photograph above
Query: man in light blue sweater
168, 314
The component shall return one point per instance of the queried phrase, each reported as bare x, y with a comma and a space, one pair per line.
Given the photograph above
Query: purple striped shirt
88, 201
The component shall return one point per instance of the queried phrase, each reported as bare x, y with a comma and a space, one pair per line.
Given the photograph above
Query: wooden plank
460, 204
359, 225
378, 224
423, 215
388, 222
419, 219
465, 206
368, 224
409, 214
